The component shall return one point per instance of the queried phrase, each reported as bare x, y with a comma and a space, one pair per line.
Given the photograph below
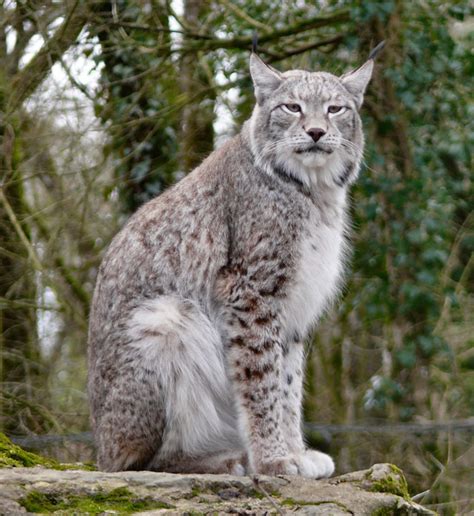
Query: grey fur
204, 298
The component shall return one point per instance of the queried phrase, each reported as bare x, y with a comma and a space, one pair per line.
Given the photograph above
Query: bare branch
19, 230
158, 30
306, 25
244, 16
29, 78
209, 42
305, 48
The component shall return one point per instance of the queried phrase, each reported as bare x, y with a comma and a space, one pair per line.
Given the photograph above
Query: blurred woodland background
105, 104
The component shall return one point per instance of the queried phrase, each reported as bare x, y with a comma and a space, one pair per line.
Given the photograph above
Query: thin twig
420, 496
305, 48
208, 42
259, 487
19, 230
158, 30
244, 16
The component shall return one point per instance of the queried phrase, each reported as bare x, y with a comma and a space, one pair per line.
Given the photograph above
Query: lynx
205, 298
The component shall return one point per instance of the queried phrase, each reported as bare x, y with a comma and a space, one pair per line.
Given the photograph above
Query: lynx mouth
313, 149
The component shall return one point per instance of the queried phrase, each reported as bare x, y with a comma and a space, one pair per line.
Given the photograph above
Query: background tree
21, 368
137, 93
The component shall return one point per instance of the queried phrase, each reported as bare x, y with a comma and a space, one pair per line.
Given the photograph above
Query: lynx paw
309, 464
314, 464
281, 466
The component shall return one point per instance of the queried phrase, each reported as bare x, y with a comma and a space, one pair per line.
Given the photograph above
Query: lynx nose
316, 133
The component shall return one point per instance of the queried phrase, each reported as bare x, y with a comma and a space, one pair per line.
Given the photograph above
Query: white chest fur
318, 273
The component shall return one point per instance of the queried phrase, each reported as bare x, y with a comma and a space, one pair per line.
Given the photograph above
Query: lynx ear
265, 78
357, 80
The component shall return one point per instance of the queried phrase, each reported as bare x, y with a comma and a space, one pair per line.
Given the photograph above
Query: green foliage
137, 99
414, 215
412, 205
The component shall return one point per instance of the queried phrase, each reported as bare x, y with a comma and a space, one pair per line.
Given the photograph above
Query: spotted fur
205, 297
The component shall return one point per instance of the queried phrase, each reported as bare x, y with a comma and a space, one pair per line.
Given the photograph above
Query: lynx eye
292, 108
335, 109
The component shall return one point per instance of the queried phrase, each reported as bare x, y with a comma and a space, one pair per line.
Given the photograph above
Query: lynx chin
205, 298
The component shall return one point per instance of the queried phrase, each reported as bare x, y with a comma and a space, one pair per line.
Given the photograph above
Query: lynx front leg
256, 364
254, 357
310, 463
292, 389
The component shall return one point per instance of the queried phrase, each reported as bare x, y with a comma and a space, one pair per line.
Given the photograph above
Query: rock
46, 486
380, 490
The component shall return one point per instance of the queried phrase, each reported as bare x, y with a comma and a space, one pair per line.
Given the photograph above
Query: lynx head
306, 124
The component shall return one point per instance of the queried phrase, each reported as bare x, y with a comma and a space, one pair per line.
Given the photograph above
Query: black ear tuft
376, 50
254, 41
265, 78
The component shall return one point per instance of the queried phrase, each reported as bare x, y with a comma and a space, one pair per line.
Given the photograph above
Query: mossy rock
379, 491
393, 483
13, 456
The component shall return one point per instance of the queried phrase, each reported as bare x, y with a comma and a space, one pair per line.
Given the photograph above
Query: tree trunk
22, 377
197, 132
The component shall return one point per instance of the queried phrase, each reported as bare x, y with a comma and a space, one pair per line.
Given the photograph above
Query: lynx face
307, 124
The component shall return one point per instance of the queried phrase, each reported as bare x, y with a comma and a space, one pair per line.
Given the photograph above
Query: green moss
256, 494
120, 500
393, 510
396, 470
13, 456
290, 502
195, 491
260, 494
395, 484
85, 466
